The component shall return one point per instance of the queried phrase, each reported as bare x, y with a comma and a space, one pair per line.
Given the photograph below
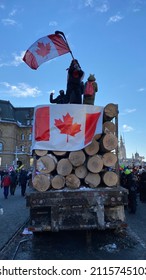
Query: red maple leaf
43, 50
67, 127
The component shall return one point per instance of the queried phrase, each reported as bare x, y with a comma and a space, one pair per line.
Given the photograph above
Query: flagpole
61, 33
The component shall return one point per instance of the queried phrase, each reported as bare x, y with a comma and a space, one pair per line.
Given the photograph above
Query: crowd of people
134, 180
11, 179
77, 92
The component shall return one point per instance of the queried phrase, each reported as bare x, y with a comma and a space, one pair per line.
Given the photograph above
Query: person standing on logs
90, 89
60, 99
74, 83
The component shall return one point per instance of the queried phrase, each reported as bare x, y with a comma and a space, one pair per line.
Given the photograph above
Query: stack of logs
93, 166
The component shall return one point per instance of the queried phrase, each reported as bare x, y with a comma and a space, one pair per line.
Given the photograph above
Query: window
29, 137
22, 136
28, 122
22, 148
1, 147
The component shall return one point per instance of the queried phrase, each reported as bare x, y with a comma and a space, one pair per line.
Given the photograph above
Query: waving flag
44, 49
68, 127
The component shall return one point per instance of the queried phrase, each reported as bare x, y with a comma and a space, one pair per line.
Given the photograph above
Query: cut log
110, 111
41, 182
59, 153
41, 153
64, 167
108, 142
97, 136
92, 149
109, 159
58, 182
46, 164
77, 158
109, 127
72, 181
95, 164
81, 171
93, 180
110, 178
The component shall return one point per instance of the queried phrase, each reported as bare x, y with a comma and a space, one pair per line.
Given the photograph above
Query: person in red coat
6, 182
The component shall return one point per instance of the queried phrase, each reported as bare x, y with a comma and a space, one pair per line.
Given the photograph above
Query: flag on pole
68, 127
44, 49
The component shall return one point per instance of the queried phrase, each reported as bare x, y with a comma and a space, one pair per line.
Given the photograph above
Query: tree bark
59, 153
110, 178
81, 171
46, 164
95, 164
64, 167
58, 182
109, 127
110, 111
93, 180
108, 143
109, 159
72, 181
92, 148
41, 182
77, 158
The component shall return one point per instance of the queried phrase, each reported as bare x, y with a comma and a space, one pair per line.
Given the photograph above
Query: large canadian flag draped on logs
65, 127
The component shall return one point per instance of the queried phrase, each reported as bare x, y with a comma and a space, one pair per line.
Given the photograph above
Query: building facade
15, 135
135, 160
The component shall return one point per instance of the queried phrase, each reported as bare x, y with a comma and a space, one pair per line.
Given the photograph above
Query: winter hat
127, 172
91, 77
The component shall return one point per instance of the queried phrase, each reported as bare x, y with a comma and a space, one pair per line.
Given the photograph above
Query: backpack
6, 180
89, 89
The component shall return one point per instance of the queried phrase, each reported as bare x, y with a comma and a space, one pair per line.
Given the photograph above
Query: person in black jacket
74, 83
142, 187
23, 181
60, 99
131, 185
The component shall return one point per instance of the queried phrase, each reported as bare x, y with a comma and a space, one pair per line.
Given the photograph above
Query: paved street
63, 245
15, 214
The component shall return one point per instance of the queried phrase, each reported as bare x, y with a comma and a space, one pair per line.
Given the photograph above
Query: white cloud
141, 89
89, 3
101, 6
115, 19
129, 111
20, 90
8, 21
16, 61
13, 12
127, 128
2, 6
53, 23
17, 58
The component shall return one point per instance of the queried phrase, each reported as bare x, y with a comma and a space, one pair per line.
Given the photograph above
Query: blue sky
108, 38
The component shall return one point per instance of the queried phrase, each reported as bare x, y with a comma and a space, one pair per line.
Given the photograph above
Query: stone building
15, 135
135, 160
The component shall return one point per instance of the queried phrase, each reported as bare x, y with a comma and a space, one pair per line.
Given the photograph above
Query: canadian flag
69, 127
44, 49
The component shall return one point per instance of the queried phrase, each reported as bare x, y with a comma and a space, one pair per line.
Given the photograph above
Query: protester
142, 186
13, 184
90, 89
6, 182
60, 99
130, 184
74, 83
23, 181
